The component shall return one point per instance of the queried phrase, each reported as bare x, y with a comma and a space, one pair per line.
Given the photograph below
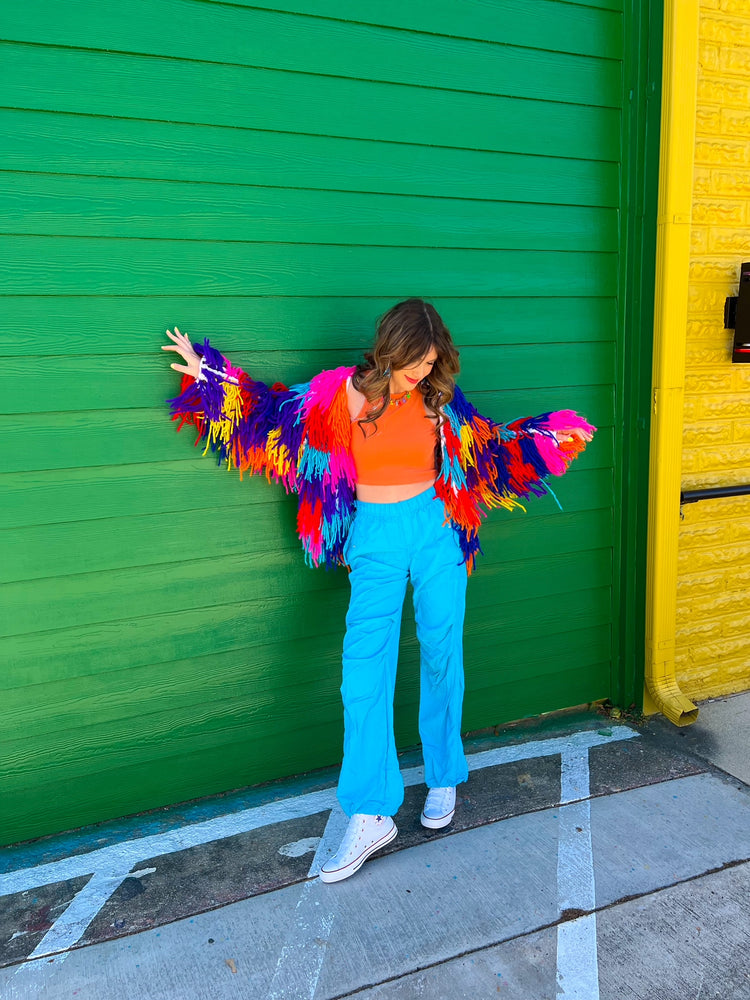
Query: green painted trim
642, 68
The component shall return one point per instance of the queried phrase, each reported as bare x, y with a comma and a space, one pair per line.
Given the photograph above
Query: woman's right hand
181, 345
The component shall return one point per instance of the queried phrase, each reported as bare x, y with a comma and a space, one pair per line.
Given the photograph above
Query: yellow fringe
232, 405
466, 438
278, 457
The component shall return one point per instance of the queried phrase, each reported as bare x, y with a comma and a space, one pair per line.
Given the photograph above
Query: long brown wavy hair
405, 335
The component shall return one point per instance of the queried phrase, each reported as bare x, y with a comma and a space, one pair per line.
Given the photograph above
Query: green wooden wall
274, 177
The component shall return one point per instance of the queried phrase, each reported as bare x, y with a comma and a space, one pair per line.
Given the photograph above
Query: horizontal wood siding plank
255, 687
206, 682
160, 638
58, 79
106, 325
93, 383
193, 772
111, 696
589, 26
87, 144
184, 29
169, 751
53, 205
499, 658
569, 688
59, 706
50, 497
59, 550
208, 581
166, 731
33, 265
251, 573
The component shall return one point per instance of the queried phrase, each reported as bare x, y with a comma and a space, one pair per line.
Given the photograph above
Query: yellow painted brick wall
713, 607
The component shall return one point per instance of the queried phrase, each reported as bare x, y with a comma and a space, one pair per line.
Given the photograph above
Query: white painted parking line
110, 865
122, 856
301, 959
577, 960
67, 929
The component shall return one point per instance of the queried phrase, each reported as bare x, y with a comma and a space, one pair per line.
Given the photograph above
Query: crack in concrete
550, 925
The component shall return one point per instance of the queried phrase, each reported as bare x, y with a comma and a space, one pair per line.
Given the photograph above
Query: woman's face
404, 379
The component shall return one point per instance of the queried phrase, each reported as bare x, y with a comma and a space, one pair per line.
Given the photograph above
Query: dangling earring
387, 372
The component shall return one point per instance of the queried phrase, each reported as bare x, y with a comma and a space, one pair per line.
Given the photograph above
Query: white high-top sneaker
364, 835
439, 808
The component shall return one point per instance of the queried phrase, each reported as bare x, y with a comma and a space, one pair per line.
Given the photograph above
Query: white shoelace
356, 826
440, 800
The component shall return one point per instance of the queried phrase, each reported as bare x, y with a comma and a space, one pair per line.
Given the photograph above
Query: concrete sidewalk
587, 860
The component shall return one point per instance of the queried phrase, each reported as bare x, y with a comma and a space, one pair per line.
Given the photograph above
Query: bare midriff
391, 494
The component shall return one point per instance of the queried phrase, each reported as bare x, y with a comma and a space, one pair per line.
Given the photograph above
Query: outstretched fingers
181, 345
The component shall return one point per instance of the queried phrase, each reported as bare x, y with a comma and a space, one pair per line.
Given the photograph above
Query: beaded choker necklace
400, 398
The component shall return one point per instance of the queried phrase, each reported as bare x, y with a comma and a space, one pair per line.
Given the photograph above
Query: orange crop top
400, 450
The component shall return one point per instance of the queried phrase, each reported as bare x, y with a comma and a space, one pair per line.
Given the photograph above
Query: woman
393, 468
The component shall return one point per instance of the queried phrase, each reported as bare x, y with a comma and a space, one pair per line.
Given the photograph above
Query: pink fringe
341, 465
323, 388
562, 420
232, 371
550, 454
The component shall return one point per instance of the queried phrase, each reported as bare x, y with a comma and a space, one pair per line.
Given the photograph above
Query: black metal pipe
714, 493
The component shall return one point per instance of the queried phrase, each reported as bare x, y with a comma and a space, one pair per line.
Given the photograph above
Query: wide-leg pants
388, 545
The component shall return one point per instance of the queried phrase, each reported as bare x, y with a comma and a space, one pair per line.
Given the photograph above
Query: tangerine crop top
400, 450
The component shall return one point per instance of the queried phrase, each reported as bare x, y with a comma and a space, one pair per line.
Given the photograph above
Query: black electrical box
737, 315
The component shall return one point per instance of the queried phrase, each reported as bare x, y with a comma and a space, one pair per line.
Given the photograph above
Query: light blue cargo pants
388, 545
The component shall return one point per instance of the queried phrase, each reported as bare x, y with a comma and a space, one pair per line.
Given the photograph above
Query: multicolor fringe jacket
300, 436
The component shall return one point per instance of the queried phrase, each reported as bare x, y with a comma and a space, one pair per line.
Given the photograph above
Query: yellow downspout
680, 73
